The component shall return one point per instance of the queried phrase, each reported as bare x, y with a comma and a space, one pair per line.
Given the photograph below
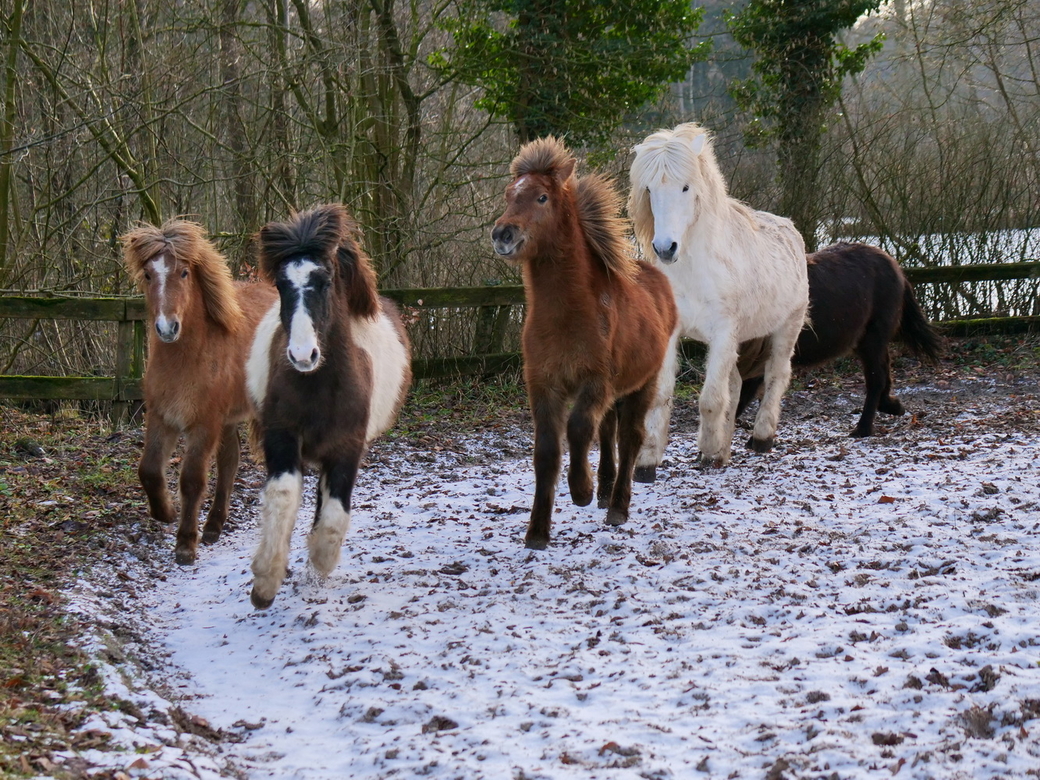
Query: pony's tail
915, 330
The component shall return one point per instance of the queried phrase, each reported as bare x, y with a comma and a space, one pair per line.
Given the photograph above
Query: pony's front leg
715, 436
589, 408
200, 444
777, 378
279, 505
228, 456
330, 527
159, 441
631, 413
548, 410
659, 416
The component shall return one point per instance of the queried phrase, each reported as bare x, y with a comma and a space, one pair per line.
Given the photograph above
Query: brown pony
201, 326
329, 369
599, 327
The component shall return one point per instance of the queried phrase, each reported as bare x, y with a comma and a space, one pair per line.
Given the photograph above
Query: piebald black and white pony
329, 369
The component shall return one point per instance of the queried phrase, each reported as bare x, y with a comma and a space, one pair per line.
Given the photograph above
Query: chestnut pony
194, 384
600, 328
329, 369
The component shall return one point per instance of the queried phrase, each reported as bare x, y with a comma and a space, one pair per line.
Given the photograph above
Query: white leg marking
280, 503
389, 358
326, 539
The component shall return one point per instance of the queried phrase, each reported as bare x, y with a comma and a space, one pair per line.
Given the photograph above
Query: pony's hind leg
330, 527
659, 415
878, 376
589, 408
606, 475
547, 409
228, 456
631, 414
279, 504
159, 441
198, 453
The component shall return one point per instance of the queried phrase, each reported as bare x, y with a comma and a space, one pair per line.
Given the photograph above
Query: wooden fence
493, 304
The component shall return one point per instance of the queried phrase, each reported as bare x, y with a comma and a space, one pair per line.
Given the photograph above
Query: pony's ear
697, 144
359, 277
565, 169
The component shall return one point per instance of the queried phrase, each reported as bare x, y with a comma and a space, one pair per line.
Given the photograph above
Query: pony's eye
543, 198
148, 277
184, 274
686, 188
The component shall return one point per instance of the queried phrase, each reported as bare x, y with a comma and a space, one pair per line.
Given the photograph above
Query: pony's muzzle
306, 363
506, 239
167, 330
666, 255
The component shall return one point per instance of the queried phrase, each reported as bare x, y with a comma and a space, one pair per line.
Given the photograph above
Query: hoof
860, 433
210, 536
710, 464
184, 557
603, 502
536, 544
259, 601
616, 516
581, 490
760, 445
645, 474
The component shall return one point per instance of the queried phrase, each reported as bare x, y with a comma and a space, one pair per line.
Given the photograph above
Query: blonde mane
187, 242
668, 155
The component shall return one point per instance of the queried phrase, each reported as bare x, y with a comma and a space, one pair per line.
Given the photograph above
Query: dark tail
915, 330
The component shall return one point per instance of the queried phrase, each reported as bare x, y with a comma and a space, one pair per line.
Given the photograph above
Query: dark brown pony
329, 369
599, 325
859, 299
201, 325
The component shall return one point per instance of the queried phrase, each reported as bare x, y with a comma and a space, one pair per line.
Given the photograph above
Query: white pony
737, 274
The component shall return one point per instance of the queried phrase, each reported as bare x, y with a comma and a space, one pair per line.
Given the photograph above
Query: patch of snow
835, 607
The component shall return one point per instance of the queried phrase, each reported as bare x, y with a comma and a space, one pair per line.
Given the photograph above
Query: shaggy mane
666, 155
326, 232
186, 241
605, 230
542, 156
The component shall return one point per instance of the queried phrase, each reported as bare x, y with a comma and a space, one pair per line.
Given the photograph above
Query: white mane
683, 154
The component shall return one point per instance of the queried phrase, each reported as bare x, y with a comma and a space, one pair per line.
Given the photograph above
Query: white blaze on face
303, 339
161, 271
519, 184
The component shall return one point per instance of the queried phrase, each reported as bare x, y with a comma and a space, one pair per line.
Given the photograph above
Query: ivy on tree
575, 68
798, 73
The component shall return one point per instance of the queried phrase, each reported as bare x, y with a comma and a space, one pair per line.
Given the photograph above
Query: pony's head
174, 266
322, 276
541, 188
676, 183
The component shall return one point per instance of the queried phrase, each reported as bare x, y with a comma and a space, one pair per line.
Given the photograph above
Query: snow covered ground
836, 608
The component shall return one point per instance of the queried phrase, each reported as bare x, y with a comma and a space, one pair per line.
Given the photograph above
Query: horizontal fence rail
494, 303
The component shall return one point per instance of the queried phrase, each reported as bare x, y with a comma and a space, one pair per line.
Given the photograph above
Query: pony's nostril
175, 328
315, 354
672, 248
503, 233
